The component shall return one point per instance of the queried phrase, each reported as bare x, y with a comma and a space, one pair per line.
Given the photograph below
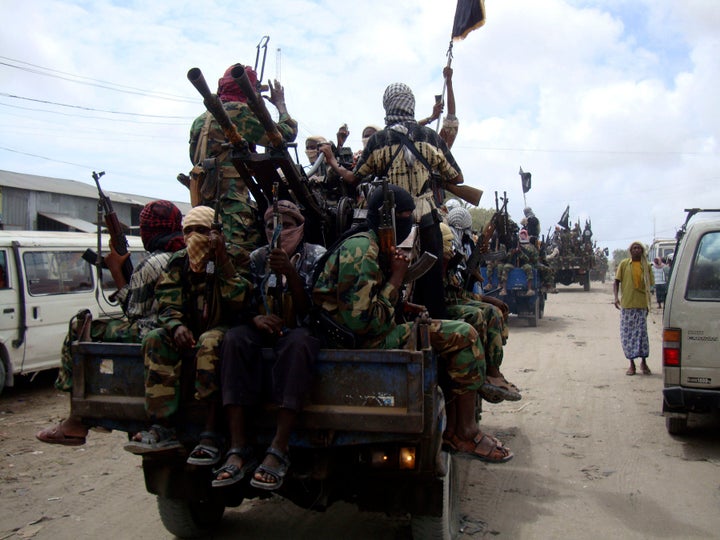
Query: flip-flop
646, 370
630, 371
55, 435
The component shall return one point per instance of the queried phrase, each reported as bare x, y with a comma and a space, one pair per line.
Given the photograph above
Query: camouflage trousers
488, 321
163, 367
110, 330
527, 268
462, 357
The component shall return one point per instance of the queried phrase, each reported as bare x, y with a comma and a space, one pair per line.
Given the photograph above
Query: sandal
278, 472
157, 439
630, 371
509, 391
482, 447
236, 473
204, 454
645, 370
56, 435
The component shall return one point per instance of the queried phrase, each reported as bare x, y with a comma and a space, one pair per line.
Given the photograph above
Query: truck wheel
541, 306
3, 375
533, 319
676, 425
586, 282
189, 519
446, 526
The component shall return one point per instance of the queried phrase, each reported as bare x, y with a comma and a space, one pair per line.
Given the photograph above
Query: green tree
619, 255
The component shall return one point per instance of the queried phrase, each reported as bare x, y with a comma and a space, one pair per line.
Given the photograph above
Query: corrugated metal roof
76, 223
33, 182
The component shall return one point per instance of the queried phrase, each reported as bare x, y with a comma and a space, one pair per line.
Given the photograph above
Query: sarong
633, 333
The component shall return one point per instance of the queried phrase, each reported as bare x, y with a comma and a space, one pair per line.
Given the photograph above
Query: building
39, 203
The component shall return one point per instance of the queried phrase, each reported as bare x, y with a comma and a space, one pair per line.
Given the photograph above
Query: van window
56, 272
704, 276
3, 270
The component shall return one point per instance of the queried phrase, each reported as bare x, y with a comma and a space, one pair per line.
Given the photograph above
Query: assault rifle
273, 285
388, 241
115, 230
480, 251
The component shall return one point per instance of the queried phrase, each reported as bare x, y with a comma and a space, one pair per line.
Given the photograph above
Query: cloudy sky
608, 103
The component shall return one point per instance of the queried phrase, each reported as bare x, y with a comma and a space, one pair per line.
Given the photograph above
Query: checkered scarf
399, 104
161, 227
198, 245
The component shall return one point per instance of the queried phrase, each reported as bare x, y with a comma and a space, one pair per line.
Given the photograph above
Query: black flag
469, 15
565, 218
525, 178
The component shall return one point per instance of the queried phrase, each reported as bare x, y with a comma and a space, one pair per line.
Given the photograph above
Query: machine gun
480, 252
115, 230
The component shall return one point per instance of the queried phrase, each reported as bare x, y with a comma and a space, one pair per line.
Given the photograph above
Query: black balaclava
403, 203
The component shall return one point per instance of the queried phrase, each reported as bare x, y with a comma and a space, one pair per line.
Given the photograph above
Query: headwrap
403, 203
399, 104
366, 139
528, 212
290, 237
161, 226
313, 154
198, 245
228, 89
459, 218
452, 203
641, 282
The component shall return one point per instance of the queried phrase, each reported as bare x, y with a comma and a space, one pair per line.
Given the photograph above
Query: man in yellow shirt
634, 280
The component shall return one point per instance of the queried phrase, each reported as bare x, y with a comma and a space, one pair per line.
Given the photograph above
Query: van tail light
671, 347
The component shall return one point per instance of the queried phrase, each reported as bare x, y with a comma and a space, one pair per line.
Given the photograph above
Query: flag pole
449, 55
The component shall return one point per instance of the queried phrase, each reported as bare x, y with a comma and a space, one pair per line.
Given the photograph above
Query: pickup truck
530, 308
371, 434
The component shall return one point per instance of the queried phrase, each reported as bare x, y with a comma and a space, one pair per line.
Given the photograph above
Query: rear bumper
679, 399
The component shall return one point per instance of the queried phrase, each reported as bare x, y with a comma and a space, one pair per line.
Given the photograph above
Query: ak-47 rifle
466, 193
480, 251
215, 108
115, 230
388, 240
274, 281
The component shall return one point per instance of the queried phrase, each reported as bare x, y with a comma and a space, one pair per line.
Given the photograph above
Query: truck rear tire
586, 282
189, 519
533, 319
3, 375
676, 425
446, 526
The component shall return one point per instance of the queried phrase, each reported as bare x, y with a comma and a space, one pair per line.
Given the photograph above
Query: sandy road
592, 457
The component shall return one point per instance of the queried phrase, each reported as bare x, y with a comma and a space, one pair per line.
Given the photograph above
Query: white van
44, 281
691, 323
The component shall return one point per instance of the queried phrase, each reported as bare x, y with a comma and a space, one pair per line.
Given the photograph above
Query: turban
228, 89
161, 226
459, 218
399, 103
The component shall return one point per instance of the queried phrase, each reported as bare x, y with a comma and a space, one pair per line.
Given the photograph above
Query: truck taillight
671, 347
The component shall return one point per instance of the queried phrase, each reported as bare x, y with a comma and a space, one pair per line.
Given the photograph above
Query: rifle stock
466, 193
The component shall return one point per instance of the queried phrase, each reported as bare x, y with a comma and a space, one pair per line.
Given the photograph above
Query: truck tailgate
354, 390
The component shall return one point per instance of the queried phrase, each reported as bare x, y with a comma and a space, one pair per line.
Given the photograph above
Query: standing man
207, 140
634, 280
393, 153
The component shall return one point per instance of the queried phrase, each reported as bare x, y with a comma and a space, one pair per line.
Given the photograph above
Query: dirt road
592, 457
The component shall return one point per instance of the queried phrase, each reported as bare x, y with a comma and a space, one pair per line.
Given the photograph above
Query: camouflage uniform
525, 257
352, 289
137, 299
238, 215
181, 301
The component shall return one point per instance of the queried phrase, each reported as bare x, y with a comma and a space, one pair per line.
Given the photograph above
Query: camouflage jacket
181, 297
352, 288
247, 125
